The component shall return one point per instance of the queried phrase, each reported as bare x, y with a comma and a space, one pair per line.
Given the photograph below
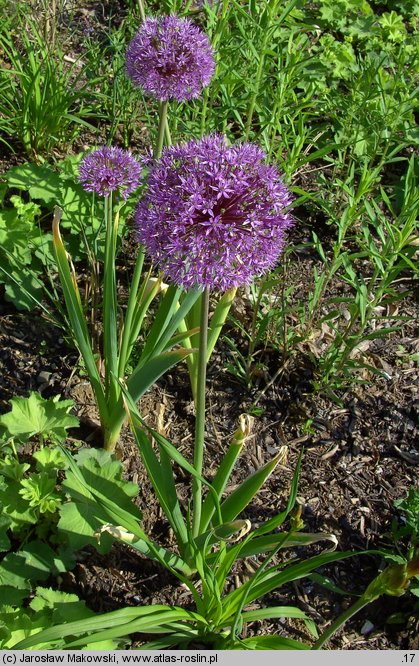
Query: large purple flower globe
214, 215
170, 58
110, 169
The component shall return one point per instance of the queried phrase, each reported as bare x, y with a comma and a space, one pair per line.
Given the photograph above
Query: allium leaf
271, 643
37, 416
245, 492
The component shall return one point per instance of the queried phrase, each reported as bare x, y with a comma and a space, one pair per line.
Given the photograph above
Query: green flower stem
162, 129
129, 315
109, 298
141, 10
216, 324
110, 318
167, 133
340, 621
200, 414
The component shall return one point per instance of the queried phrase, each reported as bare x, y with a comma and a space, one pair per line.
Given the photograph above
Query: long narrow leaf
271, 643
278, 520
164, 623
186, 304
76, 316
115, 619
273, 612
225, 469
144, 377
163, 484
165, 445
272, 578
218, 319
110, 316
240, 498
120, 517
266, 544
164, 314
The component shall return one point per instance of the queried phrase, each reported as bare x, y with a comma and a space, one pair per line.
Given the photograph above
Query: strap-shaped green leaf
225, 469
273, 578
278, 520
161, 477
164, 444
266, 544
164, 314
121, 621
110, 305
120, 517
160, 624
273, 612
270, 643
143, 378
76, 316
186, 304
218, 319
241, 496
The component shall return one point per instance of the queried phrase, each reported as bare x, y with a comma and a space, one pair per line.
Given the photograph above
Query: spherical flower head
110, 169
214, 215
170, 58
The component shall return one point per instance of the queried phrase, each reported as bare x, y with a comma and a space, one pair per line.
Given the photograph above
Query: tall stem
109, 312
110, 321
162, 129
200, 414
141, 10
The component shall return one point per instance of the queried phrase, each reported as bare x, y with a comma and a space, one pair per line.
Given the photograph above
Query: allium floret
214, 215
170, 58
110, 169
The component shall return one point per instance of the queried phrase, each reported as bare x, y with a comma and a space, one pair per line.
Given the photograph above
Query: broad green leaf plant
35, 415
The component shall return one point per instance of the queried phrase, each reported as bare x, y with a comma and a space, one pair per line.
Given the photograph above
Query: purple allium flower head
170, 58
214, 215
110, 169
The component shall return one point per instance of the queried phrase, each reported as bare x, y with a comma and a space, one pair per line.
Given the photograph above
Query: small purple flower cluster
214, 215
170, 58
110, 169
